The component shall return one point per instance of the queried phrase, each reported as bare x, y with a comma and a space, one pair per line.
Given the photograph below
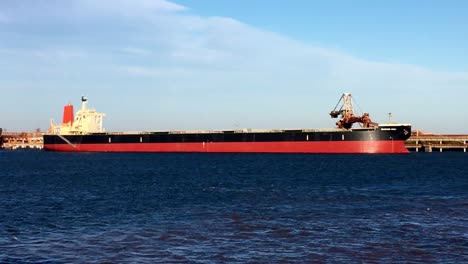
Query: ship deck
250, 130
232, 131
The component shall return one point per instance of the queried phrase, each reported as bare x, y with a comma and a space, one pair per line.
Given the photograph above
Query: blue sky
185, 64
397, 31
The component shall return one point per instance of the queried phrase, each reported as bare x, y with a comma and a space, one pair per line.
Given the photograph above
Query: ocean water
233, 208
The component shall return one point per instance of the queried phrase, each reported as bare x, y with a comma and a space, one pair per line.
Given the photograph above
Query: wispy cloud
131, 7
138, 71
135, 51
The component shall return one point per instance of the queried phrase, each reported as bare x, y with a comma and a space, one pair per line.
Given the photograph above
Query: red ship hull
370, 146
85, 134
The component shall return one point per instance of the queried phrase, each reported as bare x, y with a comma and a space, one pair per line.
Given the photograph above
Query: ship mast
84, 103
348, 118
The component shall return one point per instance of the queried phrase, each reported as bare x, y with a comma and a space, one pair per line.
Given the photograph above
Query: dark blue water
205, 208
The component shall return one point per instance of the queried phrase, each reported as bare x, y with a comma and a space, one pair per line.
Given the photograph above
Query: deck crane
348, 118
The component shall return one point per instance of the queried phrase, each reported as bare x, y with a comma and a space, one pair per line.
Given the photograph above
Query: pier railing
431, 142
14, 140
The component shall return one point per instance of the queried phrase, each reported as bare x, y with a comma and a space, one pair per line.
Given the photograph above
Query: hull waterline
389, 146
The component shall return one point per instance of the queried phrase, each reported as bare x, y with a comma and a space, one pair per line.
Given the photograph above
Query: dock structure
14, 140
433, 142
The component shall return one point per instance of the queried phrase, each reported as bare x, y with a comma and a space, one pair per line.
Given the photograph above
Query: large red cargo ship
84, 133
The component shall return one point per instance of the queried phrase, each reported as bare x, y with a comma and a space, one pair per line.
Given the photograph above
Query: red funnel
67, 115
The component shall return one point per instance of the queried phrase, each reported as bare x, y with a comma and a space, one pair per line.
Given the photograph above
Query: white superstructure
86, 121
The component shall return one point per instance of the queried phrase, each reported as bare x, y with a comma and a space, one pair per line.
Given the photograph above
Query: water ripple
147, 208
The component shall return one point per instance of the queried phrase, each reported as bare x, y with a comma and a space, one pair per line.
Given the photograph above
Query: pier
433, 142
23, 140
